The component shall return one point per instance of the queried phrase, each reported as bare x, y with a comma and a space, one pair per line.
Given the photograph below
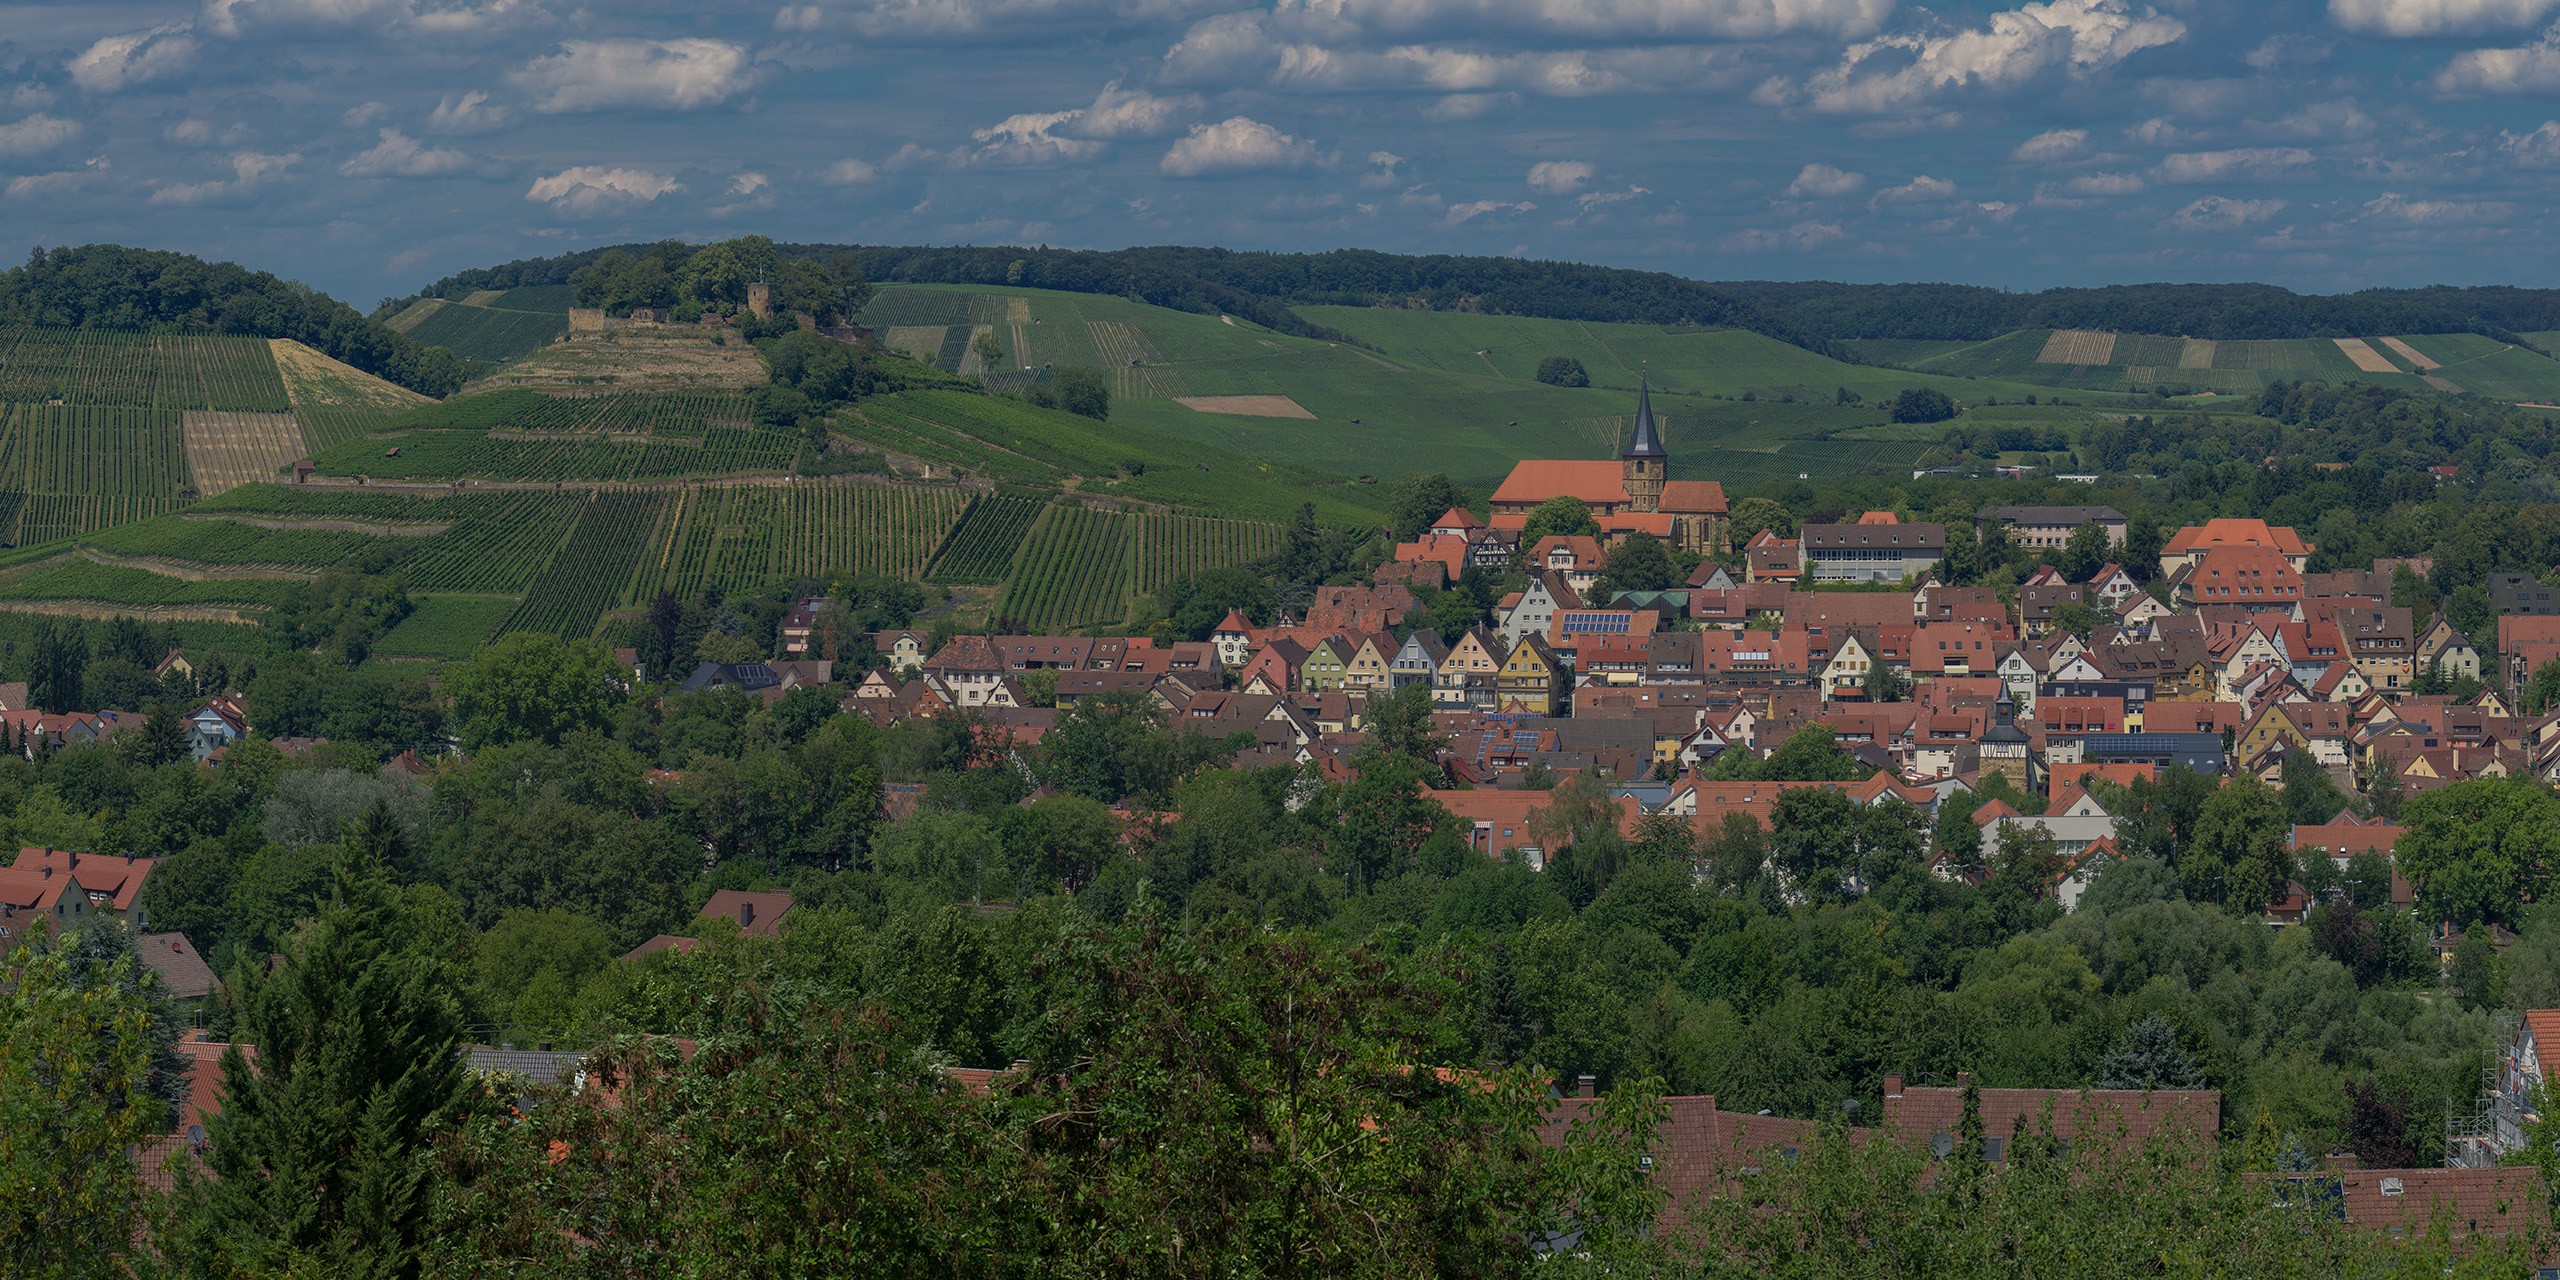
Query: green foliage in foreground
2091, 1208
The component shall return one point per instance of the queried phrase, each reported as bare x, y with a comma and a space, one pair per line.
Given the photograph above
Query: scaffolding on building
2471, 1131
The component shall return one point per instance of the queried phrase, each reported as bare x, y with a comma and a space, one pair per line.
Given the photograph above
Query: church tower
1644, 464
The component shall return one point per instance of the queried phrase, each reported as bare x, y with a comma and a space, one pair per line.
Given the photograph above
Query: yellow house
1466, 677
1532, 677
1371, 667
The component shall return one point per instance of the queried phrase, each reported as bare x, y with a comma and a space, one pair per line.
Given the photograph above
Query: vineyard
140, 370
595, 568
73, 577
444, 627
1073, 570
50, 517
1171, 547
524, 435
737, 535
226, 450
96, 451
335, 401
1081, 567
981, 547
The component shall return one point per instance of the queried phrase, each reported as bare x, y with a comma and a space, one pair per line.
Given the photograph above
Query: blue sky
367, 146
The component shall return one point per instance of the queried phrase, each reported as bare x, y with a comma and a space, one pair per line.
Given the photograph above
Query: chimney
2340, 1162
746, 914
1022, 1064
1893, 1086
1964, 1079
1586, 1086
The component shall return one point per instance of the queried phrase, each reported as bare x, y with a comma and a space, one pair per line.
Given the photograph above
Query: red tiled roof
2237, 533
1536, 481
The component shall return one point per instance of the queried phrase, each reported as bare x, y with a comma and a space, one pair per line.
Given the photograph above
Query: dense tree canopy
105, 286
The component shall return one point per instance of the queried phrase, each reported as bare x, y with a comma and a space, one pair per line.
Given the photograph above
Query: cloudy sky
367, 146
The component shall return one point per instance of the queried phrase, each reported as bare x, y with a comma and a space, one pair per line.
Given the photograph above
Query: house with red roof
65, 888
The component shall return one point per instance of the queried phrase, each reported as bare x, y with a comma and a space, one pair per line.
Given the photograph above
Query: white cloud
2156, 132
2438, 17
1478, 208
36, 135
1235, 145
363, 113
57, 184
398, 155
748, 192
2532, 68
1558, 177
2392, 206
1819, 180
2238, 162
1920, 190
2221, 213
606, 75
1025, 20
589, 189
1132, 113
470, 112
1027, 139
121, 61
2539, 149
849, 173
1590, 200
2104, 184
2287, 48
2051, 145
224, 17
248, 169
1386, 169
1801, 237
2076, 37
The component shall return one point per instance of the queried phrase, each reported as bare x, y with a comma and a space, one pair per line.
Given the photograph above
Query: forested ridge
1816, 315
107, 286
2223, 312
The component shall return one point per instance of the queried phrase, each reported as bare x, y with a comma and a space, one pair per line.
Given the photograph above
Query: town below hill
1585, 793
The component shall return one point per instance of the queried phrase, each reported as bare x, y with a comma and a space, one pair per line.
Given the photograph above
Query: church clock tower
1644, 465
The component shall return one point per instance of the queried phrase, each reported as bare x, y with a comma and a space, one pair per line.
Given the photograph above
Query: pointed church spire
1646, 442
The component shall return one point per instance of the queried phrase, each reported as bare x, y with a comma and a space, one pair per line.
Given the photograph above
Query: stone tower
1644, 464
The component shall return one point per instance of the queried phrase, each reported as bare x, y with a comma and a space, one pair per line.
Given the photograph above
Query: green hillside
2141, 362
1429, 391
490, 328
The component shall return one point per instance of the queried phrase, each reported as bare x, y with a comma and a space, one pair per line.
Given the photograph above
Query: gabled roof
1535, 481
758, 913
183, 972
1694, 497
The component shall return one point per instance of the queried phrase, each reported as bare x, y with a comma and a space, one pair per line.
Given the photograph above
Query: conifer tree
319, 1153
2148, 1056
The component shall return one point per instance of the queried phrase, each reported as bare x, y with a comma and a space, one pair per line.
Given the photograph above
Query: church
1631, 495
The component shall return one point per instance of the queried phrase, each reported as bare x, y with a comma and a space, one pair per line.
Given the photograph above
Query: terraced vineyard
981, 547
50, 517
74, 578
94, 451
594, 569
140, 370
742, 534
524, 435
334, 401
1073, 571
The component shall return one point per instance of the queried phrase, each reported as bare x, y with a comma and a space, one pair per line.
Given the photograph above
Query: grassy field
2139, 362
1129, 457
1429, 391
335, 401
